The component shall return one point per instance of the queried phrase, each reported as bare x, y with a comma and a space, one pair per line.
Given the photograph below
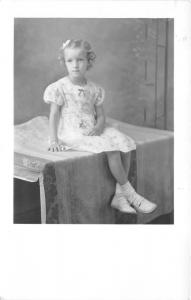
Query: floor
27, 206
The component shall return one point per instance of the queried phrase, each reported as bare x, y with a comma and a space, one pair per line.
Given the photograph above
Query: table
77, 187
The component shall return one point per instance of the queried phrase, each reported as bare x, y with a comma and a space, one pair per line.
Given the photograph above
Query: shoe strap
134, 198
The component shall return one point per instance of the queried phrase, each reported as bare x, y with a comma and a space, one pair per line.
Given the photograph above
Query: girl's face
76, 62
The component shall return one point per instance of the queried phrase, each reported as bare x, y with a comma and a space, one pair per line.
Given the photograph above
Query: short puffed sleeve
99, 95
54, 94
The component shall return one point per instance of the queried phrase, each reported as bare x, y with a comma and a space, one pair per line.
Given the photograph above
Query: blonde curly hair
78, 44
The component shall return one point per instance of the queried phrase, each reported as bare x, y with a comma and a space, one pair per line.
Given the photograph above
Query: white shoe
120, 202
141, 204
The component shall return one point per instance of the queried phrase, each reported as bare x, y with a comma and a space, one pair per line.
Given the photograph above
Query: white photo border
79, 262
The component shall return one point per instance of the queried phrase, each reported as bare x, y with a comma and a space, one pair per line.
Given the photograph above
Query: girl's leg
116, 167
126, 161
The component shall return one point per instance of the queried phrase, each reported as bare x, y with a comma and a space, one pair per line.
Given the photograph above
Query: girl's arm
53, 122
53, 126
100, 120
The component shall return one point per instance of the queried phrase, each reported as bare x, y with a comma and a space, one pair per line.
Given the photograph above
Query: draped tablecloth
77, 187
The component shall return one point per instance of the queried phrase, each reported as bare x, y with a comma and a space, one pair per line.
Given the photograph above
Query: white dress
77, 118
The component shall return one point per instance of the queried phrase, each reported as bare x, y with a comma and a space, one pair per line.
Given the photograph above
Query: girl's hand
97, 130
56, 147
100, 122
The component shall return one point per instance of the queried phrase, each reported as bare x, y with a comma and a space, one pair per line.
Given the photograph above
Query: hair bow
64, 45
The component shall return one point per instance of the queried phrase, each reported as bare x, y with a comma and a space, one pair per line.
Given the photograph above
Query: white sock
118, 188
126, 188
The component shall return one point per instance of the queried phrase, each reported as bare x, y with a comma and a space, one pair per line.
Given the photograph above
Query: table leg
42, 200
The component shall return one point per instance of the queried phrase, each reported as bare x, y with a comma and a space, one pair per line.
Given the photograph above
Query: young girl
77, 121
